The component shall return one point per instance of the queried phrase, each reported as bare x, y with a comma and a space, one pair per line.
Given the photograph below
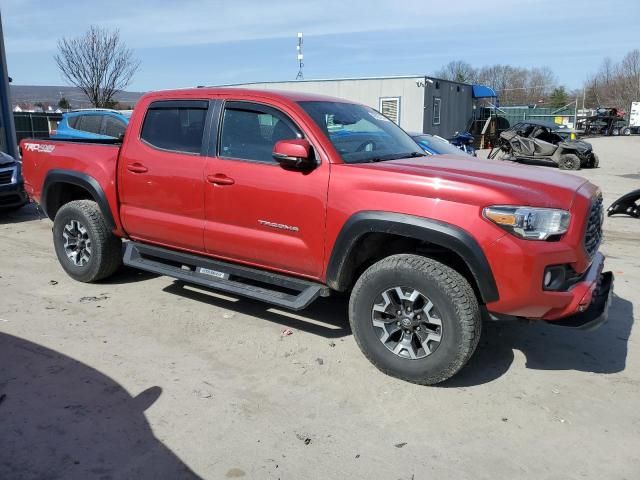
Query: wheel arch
63, 186
415, 231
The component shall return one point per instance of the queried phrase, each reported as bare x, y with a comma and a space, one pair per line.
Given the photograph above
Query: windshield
361, 134
438, 146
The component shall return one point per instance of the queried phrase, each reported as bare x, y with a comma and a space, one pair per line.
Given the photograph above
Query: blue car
93, 124
434, 145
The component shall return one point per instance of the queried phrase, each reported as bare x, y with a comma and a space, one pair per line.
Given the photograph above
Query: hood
482, 182
577, 145
6, 160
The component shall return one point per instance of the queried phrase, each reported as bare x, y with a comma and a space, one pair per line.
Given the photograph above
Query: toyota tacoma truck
287, 197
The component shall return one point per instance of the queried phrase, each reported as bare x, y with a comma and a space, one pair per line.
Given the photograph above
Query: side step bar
288, 292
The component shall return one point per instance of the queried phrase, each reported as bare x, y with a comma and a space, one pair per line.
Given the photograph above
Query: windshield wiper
392, 156
416, 154
397, 156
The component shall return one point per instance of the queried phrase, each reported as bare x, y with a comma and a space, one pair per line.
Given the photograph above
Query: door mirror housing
294, 154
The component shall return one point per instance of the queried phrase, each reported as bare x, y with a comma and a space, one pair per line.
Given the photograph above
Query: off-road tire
106, 248
449, 291
569, 161
594, 162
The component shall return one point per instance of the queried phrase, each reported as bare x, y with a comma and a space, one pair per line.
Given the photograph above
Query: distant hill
50, 95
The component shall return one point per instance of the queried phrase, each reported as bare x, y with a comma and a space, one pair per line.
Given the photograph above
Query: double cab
285, 197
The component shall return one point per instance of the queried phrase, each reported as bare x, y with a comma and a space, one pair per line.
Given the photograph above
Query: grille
593, 233
5, 176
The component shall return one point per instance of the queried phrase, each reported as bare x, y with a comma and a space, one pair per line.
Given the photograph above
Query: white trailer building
417, 103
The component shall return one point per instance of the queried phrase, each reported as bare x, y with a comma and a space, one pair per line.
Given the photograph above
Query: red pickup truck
285, 197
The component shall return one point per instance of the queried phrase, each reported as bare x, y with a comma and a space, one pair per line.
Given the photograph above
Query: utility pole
300, 76
8, 141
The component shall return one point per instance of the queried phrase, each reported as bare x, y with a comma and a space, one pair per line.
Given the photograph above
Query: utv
535, 141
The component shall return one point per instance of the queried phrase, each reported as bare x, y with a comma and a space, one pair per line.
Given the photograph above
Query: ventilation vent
390, 108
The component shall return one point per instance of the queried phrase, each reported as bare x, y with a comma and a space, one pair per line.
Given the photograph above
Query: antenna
300, 76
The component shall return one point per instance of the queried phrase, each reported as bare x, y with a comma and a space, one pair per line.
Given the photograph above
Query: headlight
528, 222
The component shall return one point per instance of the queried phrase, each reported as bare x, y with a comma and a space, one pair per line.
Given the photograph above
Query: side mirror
294, 154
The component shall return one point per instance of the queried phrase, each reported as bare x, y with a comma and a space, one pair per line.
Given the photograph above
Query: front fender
436, 232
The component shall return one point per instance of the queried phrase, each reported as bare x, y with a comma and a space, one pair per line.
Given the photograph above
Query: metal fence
34, 124
512, 115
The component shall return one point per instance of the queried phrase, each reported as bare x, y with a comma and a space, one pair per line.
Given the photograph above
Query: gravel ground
141, 377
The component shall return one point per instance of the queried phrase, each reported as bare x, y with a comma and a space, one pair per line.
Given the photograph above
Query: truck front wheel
84, 244
415, 318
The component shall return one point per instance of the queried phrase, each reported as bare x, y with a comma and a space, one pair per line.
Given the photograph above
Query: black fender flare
436, 232
79, 179
627, 204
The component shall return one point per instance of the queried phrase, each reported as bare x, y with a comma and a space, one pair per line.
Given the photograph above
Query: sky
197, 42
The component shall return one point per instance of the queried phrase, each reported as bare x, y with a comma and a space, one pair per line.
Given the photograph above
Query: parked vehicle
464, 141
249, 192
628, 204
12, 194
92, 124
609, 121
534, 141
435, 145
634, 120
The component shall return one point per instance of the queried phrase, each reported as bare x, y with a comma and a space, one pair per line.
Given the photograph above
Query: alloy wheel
77, 244
407, 322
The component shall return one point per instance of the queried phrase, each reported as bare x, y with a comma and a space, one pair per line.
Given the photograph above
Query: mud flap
626, 205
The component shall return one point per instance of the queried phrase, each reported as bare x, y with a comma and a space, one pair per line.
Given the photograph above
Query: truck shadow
60, 418
27, 213
327, 317
546, 347
126, 275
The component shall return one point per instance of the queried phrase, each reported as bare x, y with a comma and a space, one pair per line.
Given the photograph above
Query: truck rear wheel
415, 318
84, 244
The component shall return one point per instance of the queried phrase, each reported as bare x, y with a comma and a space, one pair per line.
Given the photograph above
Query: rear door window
175, 125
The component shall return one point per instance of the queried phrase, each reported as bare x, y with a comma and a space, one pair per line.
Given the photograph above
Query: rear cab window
175, 125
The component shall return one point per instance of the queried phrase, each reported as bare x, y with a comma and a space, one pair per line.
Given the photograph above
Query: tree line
613, 85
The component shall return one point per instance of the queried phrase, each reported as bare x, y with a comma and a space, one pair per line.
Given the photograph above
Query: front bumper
12, 195
597, 312
12, 192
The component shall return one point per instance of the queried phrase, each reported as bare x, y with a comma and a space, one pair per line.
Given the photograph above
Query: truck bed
96, 159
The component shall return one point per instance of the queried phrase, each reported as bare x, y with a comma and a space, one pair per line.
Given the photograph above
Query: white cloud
35, 25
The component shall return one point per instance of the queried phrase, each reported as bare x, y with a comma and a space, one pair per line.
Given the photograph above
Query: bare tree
98, 63
457, 71
514, 85
615, 84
